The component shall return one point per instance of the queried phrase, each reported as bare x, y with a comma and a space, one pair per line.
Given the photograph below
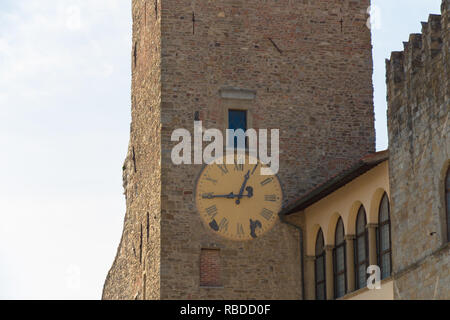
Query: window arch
319, 266
384, 238
447, 202
339, 261
361, 252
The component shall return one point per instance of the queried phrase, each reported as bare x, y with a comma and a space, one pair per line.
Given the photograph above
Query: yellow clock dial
237, 202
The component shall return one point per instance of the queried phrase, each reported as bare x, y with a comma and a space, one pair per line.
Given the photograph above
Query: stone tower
419, 148
304, 67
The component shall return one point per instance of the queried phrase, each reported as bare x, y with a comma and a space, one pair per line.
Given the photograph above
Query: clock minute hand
241, 192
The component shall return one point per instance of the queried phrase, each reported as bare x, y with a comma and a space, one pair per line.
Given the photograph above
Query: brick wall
419, 144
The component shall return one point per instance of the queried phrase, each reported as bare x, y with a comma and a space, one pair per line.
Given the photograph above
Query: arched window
384, 238
361, 252
339, 256
447, 197
320, 267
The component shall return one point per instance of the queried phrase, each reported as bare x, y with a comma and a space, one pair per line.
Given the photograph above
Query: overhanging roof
339, 180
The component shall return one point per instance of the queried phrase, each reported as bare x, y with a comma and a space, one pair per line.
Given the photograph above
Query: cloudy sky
64, 125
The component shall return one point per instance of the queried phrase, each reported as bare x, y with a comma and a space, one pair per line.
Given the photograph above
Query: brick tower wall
311, 79
419, 145
304, 67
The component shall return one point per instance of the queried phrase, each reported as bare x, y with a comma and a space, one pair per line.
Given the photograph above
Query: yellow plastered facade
366, 190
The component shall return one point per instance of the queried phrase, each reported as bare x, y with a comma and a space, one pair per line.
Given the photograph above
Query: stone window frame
240, 99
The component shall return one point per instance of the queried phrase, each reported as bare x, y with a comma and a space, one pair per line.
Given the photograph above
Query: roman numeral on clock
267, 181
270, 197
211, 211
223, 225
223, 168
266, 214
240, 230
238, 167
211, 179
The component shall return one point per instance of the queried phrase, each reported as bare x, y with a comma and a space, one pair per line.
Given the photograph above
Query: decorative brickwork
210, 269
419, 144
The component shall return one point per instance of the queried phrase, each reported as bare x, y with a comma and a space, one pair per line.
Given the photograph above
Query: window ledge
237, 93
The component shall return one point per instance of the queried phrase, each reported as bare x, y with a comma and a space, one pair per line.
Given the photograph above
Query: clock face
236, 201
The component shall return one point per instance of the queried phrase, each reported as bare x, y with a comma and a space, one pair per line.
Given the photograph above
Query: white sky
64, 127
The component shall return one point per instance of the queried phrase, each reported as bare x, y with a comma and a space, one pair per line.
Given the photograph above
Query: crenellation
435, 35
395, 77
414, 53
404, 69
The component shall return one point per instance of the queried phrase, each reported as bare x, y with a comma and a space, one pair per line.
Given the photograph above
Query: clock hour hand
241, 192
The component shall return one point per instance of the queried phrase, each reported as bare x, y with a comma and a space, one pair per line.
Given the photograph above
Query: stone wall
135, 273
419, 144
308, 65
